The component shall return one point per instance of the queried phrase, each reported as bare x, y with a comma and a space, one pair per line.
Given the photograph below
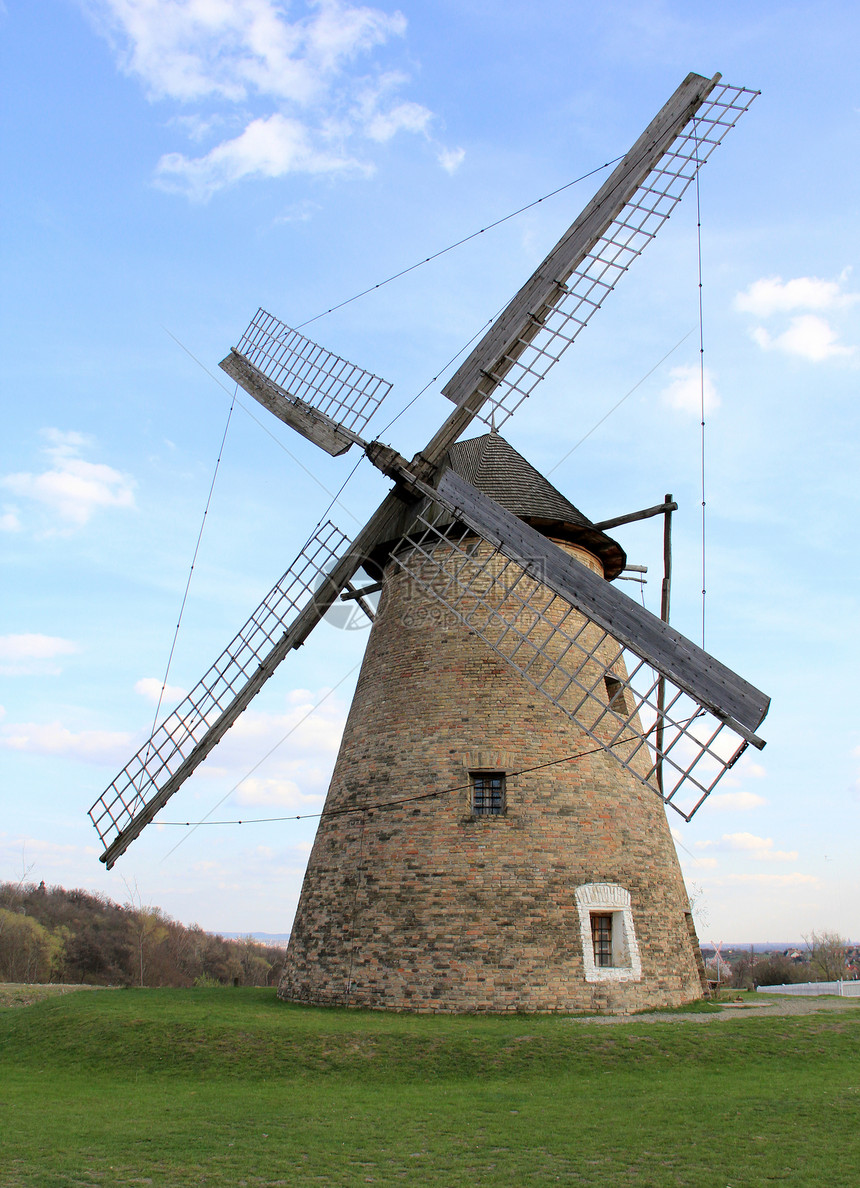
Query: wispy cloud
25, 655
268, 147
808, 336
290, 88
70, 490
772, 880
43, 854
739, 801
759, 849
798, 305
772, 295
297, 747
151, 689
279, 793
56, 740
451, 159
314, 728
684, 392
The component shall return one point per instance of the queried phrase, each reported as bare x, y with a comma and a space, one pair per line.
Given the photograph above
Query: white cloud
150, 688
10, 521
772, 295
233, 49
705, 863
279, 793
233, 57
774, 880
268, 147
71, 490
299, 212
759, 849
54, 739
309, 731
684, 393
808, 336
451, 159
40, 851
739, 801
404, 117
22, 655
279, 759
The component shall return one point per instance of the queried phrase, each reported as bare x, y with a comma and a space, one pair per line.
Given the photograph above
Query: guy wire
387, 804
191, 570
459, 243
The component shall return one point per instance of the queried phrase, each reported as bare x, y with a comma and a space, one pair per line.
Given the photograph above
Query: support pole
665, 592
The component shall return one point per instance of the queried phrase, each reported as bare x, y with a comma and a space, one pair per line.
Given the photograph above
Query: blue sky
171, 165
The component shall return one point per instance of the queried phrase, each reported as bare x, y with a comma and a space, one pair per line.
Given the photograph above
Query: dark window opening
488, 793
601, 938
615, 696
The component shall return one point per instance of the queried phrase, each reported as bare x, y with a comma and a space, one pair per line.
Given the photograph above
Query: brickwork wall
421, 906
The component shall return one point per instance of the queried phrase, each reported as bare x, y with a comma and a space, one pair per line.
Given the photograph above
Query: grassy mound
231, 1087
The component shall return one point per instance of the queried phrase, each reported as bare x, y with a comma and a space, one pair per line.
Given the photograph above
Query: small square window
488, 793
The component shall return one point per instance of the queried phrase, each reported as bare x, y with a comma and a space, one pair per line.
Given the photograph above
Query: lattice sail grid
310, 373
661, 734
532, 355
177, 736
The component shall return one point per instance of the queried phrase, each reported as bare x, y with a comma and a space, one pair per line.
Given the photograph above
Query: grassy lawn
231, 1087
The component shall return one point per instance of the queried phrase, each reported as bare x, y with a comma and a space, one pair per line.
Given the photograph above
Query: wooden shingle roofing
493, 466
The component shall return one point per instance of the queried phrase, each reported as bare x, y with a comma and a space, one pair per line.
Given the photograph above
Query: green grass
231, 1087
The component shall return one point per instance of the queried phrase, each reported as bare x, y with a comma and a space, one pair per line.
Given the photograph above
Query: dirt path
776, 1004
20, 994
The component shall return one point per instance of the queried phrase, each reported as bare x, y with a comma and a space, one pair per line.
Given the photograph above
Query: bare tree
148, 928
827, 954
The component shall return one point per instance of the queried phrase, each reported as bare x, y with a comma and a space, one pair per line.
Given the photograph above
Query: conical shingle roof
493, 466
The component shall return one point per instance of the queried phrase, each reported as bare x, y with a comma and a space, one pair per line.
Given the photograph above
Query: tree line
49, 934
825, 956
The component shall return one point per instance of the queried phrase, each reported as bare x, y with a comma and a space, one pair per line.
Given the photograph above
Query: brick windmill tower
494, 836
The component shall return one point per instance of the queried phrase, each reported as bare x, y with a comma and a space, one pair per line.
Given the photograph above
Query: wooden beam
659, 510
728, 696
310, 422
358, 597
350, 593
522, 318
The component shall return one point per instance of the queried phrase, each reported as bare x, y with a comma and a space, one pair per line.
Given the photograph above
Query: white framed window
610, 951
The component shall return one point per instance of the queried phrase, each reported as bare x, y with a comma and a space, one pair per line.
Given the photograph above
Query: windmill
494, 836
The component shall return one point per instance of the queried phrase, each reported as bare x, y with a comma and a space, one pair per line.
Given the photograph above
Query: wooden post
665, 592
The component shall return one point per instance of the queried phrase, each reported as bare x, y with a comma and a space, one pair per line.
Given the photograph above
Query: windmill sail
557, 302
324, 397
568, 632
330, 401
188, 734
